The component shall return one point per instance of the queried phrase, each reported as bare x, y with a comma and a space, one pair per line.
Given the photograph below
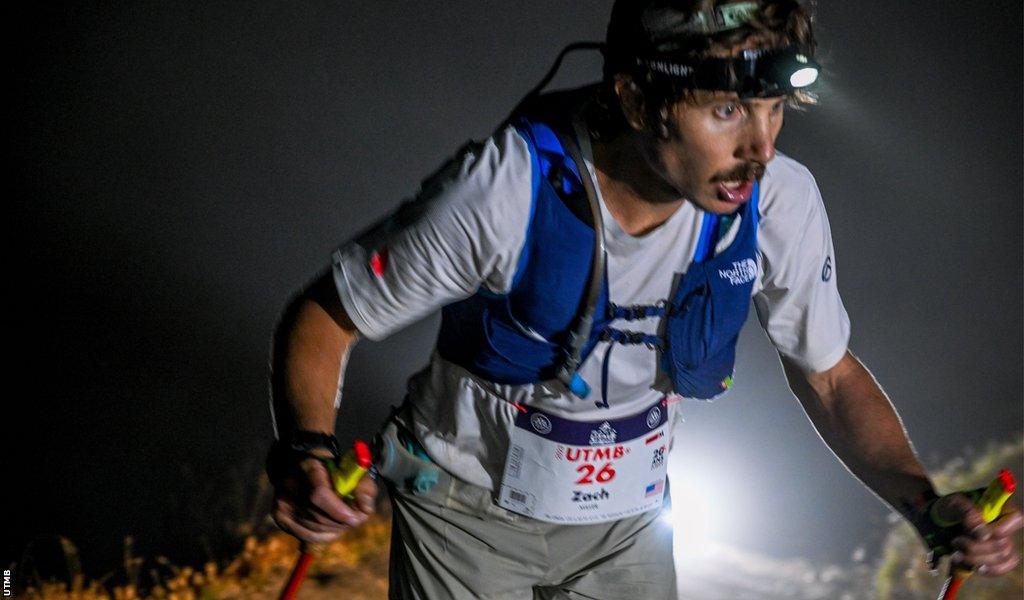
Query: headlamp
752, 74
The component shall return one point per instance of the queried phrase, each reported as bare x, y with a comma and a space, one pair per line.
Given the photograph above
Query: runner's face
717, 147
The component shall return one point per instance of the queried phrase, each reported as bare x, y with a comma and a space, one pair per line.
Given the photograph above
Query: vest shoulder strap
555, 166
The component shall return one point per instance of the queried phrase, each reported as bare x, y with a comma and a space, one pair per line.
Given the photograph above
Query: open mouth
735, 192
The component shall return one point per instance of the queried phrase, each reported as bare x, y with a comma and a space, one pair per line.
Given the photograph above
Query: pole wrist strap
303, 441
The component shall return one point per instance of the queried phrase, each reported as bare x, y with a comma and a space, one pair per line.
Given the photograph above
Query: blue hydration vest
521, 337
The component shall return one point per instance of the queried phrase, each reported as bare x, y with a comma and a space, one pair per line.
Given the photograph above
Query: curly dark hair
633, 29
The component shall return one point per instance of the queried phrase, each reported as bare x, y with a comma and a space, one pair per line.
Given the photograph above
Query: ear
631, 100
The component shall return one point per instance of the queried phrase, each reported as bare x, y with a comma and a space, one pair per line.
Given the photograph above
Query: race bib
564, 471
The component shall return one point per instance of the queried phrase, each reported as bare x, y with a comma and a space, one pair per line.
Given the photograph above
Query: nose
758, 145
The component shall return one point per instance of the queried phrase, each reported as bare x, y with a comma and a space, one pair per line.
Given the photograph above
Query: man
594, 260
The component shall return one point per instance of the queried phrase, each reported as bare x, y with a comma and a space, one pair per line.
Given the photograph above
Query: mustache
745, 172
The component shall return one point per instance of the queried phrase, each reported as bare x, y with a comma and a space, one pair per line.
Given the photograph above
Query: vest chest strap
620, 336
636, 312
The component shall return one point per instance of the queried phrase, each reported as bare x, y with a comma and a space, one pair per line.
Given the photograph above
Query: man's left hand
986, 548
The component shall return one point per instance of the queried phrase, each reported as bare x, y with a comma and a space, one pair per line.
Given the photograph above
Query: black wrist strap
303, 441
918, 513
936, 533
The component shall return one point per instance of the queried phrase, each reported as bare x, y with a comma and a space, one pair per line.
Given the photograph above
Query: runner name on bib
564, 471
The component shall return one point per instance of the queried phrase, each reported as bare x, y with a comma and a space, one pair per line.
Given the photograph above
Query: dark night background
179, 169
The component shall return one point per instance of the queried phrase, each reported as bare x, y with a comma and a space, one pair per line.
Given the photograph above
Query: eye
727, 111
778, 107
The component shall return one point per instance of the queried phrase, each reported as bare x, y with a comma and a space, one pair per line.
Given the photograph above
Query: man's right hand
305, 503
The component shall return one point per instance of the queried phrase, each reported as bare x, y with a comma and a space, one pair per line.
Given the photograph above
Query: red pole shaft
952, 587
298, 574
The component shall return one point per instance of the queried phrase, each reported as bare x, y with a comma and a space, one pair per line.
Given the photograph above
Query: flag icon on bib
650, 440
655, 488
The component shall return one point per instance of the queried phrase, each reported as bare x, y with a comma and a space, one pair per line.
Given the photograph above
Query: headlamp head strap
753, 73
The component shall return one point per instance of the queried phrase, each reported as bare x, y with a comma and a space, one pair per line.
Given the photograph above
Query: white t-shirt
465, 230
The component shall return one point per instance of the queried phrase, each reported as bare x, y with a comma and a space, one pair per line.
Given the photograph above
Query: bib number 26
591, 474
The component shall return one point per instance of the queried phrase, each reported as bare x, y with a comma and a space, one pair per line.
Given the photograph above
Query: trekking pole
991, 505
345, 475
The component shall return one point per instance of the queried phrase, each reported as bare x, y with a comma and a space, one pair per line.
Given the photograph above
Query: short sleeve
796, 295
464, 229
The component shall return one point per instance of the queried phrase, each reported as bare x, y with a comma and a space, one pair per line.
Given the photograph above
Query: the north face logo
741, 272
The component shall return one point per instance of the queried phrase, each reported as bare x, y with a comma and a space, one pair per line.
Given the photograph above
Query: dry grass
357, 563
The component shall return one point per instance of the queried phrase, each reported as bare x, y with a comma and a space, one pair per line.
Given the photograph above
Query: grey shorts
454, 542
